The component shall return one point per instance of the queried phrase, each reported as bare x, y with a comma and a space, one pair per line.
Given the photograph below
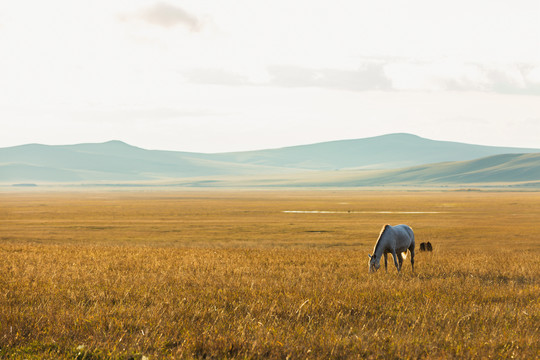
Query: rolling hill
507, 170
395, 159
498, 169
380, 152
110, 161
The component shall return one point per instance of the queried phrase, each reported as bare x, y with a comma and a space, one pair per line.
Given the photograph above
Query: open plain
267, 274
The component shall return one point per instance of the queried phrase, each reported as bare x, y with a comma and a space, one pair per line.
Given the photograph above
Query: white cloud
216, 77
387, 75
166, 15
369, 77
502, 79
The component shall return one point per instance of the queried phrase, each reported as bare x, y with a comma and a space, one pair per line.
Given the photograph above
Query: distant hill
497, 169
380, 152
388, 159
110, 161
514, 170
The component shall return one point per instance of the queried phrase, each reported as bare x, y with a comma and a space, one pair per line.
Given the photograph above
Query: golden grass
223, 274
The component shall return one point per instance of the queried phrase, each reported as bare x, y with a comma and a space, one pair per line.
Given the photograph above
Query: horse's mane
384, 228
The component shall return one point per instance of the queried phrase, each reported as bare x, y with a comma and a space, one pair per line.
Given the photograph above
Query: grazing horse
395, 240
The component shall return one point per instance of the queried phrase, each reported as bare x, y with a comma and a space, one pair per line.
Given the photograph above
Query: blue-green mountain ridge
396, 159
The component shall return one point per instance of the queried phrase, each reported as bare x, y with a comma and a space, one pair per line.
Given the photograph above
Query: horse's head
373, 263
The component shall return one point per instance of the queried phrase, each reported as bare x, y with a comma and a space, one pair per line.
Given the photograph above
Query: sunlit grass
228, 275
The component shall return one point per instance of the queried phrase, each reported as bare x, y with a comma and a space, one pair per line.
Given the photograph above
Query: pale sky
219, 75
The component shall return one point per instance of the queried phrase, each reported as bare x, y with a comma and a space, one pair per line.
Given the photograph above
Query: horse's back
404, 230
405, 235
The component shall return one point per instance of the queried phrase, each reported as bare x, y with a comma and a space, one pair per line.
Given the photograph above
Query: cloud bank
367, 77
216, 77
398, 76
167, 16
521, 79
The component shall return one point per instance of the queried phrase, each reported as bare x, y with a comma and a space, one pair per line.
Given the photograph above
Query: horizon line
266, 148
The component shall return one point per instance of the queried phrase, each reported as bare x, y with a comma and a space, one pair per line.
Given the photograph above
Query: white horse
395, 240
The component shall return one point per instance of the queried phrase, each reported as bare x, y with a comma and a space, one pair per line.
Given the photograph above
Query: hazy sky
218, 75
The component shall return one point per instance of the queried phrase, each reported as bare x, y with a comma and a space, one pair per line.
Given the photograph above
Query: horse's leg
400, 258
386, 262
411, 249
395, 260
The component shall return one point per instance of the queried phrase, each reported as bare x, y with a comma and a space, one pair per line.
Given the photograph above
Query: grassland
228, 274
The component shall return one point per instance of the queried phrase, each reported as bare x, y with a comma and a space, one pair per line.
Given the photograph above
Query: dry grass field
229, 274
